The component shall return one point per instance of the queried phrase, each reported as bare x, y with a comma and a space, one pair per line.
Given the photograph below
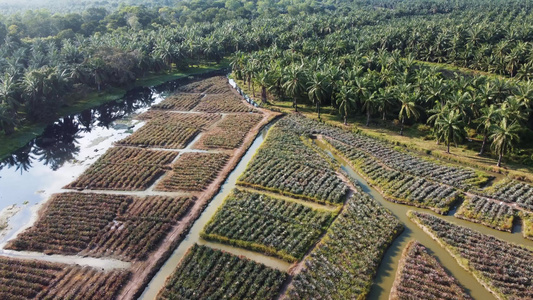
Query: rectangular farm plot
205, 273
272, 226
193, 172
229, 132
30, 279
103, 225
227, 102
487, 212
171, 130
179, 102
212, 85
284, 164
124, 169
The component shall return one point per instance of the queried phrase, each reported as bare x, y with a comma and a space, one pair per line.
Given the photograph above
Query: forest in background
359, 57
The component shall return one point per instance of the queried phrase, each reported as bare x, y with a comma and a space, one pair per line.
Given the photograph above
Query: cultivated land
292, 202
157, 193
421, 276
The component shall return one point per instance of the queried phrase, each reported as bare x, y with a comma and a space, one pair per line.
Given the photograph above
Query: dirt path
98, 263
144, 271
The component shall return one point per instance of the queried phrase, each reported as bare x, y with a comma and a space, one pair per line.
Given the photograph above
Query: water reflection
59, 142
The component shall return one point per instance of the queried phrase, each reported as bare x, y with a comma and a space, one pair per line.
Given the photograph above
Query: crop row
487, 212
193, 172
169, 130
171, 136
196, 120
102, 225
230, 132
503, 267
261, 223
398, 186
86, 283
179, 102
343, 264
227, 102
205, 273
139, 231
212, 85
123, 168
512, 191
286, 165
421, 276
29, 279
463, 178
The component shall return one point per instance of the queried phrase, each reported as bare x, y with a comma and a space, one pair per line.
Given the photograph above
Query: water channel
193, 236
388, 267
68, 146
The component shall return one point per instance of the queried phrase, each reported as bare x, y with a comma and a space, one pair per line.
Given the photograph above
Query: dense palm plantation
360, 57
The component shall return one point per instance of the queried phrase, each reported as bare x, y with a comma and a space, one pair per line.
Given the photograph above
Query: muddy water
193, 237
388, 267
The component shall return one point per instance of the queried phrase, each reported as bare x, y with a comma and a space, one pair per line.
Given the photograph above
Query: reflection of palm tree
59, 153
21, 159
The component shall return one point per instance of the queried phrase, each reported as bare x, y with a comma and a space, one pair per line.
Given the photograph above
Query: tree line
389, 86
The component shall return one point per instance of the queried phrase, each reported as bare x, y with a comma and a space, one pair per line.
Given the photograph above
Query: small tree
503, 137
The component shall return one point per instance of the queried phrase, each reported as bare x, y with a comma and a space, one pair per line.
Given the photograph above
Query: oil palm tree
294, 83
318, 89
450, 128
504, 136
408, 106
345, 101
489, 117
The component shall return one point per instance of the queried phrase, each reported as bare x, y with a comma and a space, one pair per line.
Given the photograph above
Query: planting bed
488, 213
273, 226
502, 267
512, 191
227, 102
230, 132
102, 225
29, 279
123, 168
171, 136
398, 186
421, 276
196, 120
286, 165
212, 85
170, 130
179, 101
193, 172
205, 273
527, 223
464, 178
343, 264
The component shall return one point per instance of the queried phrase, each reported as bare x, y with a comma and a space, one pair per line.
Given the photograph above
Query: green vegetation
43, 280
284, 164
205, 273
487, 212
421, 276
503, 267
343, 264
103, 225
273, 226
